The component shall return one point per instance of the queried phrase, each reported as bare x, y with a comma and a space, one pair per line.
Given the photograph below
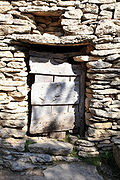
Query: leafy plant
78, 136
66, 139
27, 143
74, 153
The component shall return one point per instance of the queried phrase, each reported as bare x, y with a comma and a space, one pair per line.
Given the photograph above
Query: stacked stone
13, 83
103, 102
40, 151
89, 22
83, 147
13, 91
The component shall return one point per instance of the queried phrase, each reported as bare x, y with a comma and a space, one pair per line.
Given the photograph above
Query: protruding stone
6, 19
84, 143
86, 154
117, 11
81, 58
98, 64
73, 14
12, 144
106, 114
51, 147
101, 1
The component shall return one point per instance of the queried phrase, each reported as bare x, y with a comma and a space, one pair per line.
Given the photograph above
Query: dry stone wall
94, 23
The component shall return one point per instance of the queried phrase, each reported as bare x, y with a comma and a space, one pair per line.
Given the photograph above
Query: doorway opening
57, 91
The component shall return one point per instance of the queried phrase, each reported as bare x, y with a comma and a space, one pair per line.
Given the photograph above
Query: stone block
118, 96
105, 52
12, 123
108, 7
86, 154
90, 8
108, 46
73, 14
105, 125
117, 11
101, 1
97, 133
58, 135
11, 84
87, 16
12, 144
85, 143
2, 64
19, 54
86, 149
78, 30
7, 88
106, 27
7, 54
10, 29
106, 114
106, 14
9, 132
113, 57
98, 64
51, 147
5, 7
6, 19
103, 77
17, 65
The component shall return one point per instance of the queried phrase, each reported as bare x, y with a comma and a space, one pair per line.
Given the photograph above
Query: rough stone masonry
94, 23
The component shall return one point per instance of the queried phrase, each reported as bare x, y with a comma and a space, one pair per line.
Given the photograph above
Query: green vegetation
66, 139
27, 143
74, 153
78, 136
106, 165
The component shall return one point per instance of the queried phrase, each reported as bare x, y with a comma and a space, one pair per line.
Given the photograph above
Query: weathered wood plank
59, 109
55, 93
53, 122
52, 67
59, 78
82, 101
42, 78
39, 111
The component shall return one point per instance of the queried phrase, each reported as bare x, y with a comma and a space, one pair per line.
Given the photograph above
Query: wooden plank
64, 78
46, 66
59, 78
82, 101
59, 109
55, 93
39, 111
53, 122
42, 78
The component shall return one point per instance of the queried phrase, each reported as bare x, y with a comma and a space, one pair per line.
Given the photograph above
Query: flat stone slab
51, 147
72, 171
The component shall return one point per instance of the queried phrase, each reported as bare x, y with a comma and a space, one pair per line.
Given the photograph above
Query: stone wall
94, 23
